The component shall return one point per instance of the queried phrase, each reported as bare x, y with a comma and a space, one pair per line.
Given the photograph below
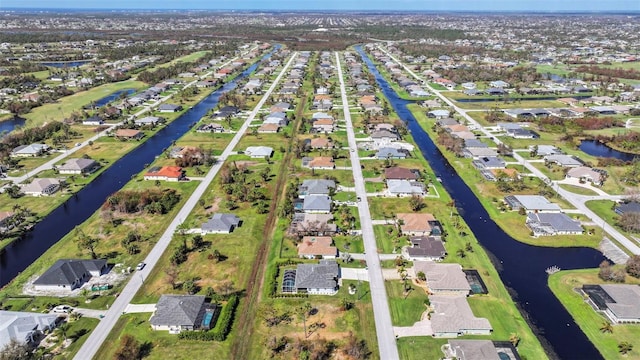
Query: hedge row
222, 328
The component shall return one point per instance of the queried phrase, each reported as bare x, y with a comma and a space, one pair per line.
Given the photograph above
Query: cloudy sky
399, 5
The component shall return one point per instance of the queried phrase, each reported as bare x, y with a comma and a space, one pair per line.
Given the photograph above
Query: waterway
65, 64
596, 148
7, 126
521, 266
501, 98
19, 255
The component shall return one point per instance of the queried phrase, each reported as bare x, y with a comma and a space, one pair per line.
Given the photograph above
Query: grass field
563, 284
65, 106
578, 189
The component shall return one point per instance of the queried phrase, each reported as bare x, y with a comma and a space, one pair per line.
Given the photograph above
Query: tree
63, 330
356, 349
416, 202
345, 304
514, 339
15, 350
468, 247
605, 270
421, 276
129, 349
461, 253
172, 275
197, 242
633, 266
85, 242
303, 314
625, 347
606, 327
190, 287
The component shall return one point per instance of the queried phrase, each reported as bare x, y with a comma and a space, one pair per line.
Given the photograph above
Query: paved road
49, 164
99, 334
578, 201
384, 329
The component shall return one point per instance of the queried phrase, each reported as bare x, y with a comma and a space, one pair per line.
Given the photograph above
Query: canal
596, 148
19, 255
521, 266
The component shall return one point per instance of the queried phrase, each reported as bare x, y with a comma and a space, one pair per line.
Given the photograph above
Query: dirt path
240, 347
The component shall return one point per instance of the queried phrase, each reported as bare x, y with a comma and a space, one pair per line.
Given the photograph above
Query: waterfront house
69, 274
78, 166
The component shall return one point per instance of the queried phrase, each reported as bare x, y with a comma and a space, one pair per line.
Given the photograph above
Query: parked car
140, 266
62, 309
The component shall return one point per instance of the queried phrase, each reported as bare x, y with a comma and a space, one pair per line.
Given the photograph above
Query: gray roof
15, 325
221, 222
557, 221
148, 120
68, 271
474, 143
317, 203
30, 149
390, 153
631, 206
477, 152
40, 185
563, 160
318, 276
509, 126
424, 246
259, 151
531, 203
443, 277
405, 187
452, 314
627, 300
179, 310
316, 187
77, 164
474, 349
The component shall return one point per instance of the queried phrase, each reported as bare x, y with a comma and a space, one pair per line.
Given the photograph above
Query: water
521, 266
78, 208
65, 64
596, 148
107, 99
8, 126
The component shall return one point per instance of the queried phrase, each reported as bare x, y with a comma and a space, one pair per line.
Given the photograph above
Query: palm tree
606, 327
514, 339
625, 347
461, 253
62, 330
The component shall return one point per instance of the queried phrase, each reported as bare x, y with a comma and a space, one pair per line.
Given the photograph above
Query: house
165, 173
221, 224
148, 120
318, 279
548, 224
93, 120
452, 317
320, 143
279, 118
24, 327
319, 163
316, 187
177, 152
400, 173
479, 152
226, 111
563, 160
312, 224
390, 153
531, 203
6, 221
627, 207
405, 188
31, 150
259, 152
382, 136
323, 126
177, 313
42, 187
129, 134
78, 166
438, 114
69, 274
620, 303
474, 144
425, 248
472, 350
415, 224
268, 128
489, 162
585, 173
312, 247
545, 150
499, 84
210, 128
317, 204
443, 279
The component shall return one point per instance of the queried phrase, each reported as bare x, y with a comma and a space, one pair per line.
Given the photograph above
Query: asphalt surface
384, 329
99, 334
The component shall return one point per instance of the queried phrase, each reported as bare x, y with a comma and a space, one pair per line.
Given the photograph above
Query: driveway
420, 328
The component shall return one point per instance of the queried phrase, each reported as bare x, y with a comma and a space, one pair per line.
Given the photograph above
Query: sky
398, 5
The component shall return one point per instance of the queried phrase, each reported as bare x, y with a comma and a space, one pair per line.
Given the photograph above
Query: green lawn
563, 284
405, 311
578, 189
420, 348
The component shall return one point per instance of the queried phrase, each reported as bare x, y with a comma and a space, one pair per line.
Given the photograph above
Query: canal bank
83, 204
521, 267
